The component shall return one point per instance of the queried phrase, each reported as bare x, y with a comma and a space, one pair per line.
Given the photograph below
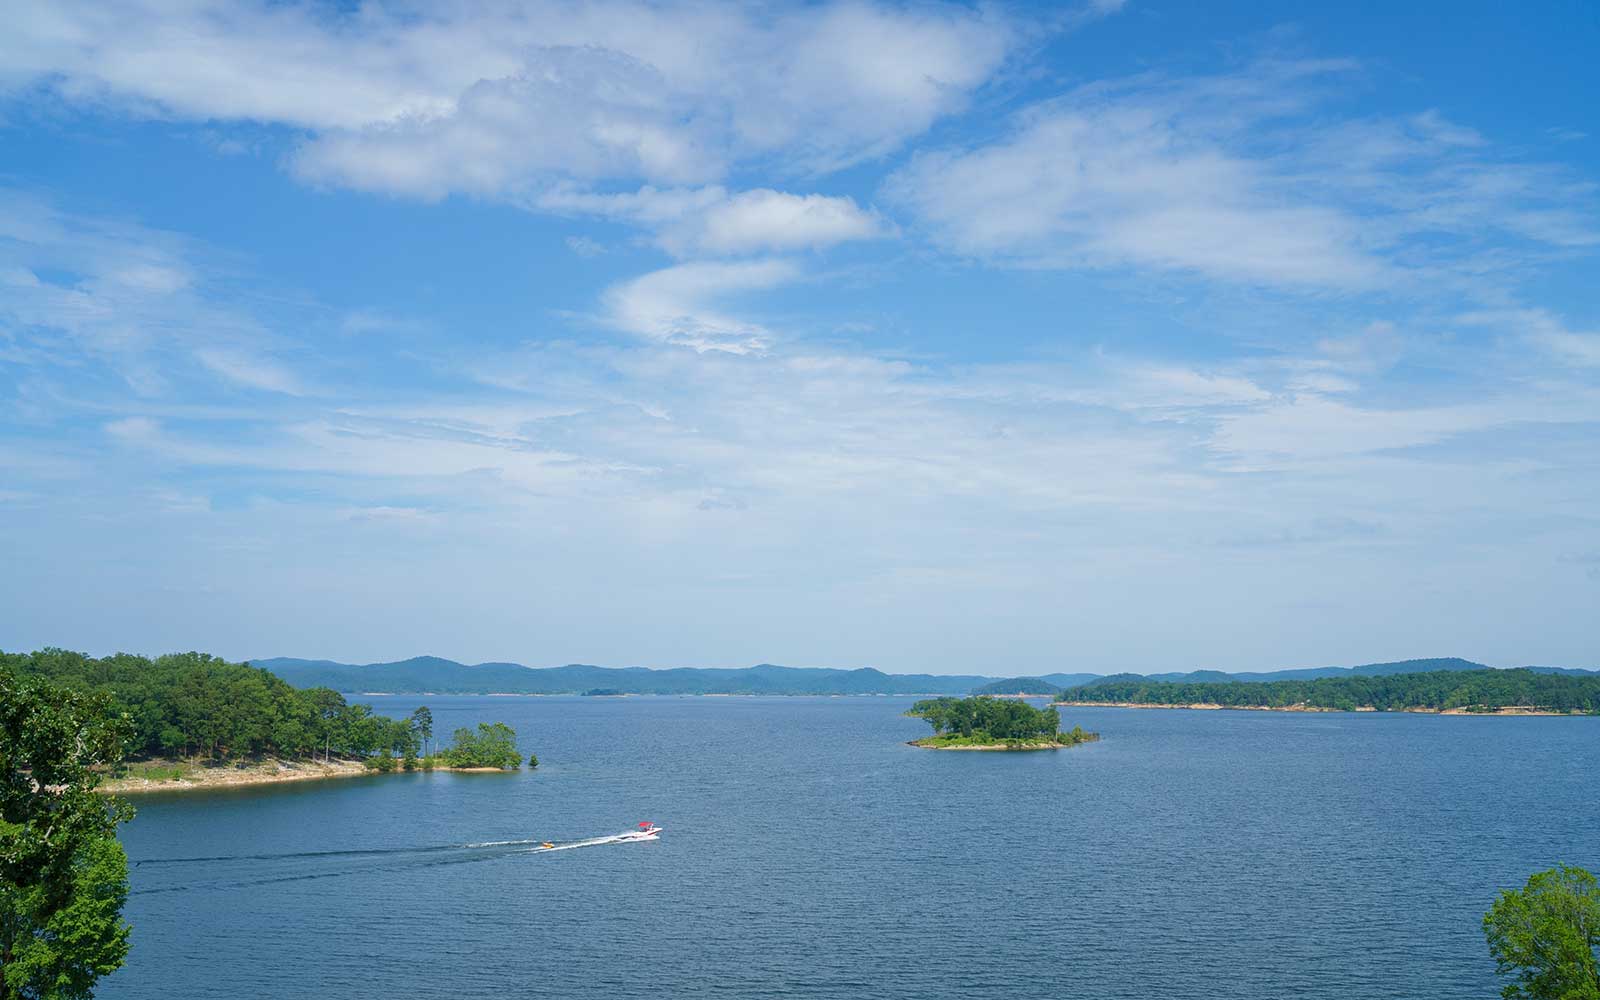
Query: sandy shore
199, 777
196, 776
1208, 707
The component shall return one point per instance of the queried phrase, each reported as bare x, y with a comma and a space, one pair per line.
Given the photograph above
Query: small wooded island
982, 723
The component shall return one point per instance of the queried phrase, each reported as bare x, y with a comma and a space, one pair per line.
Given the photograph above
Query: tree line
1473, 690
194, 704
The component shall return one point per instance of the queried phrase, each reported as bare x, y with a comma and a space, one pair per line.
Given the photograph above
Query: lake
809, 853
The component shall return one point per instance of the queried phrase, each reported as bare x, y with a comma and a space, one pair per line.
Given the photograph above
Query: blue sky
1122, 336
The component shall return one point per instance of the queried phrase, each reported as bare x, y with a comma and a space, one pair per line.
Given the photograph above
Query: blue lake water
810, 853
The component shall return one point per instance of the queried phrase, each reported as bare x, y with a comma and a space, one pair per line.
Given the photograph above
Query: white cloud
134, 429
766, 220
1232, 178
1543, 330
1124, 176
680, 305
710, 221
498, 100
584, 247
249, 369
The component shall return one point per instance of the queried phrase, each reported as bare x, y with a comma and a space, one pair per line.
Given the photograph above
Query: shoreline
662, 694
200, 778
1000, 747
1202, 706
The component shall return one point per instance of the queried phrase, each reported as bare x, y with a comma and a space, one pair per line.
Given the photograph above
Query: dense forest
189, 704
981, 720
1471, 690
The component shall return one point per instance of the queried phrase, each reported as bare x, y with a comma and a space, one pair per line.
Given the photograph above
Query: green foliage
1546, 935
384, 763
1470, 690
409, 761
491, 746
63, 876
157, 772
533, 760
980, 720
190, 704
422, 725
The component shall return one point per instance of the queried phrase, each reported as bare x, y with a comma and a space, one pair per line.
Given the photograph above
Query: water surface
810, 853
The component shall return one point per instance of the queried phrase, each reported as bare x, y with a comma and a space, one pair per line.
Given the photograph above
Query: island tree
1546, 936
490, 746
63, 876
984, 720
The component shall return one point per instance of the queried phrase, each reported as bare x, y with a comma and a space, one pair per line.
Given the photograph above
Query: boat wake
591, 842
484, 847
646, 831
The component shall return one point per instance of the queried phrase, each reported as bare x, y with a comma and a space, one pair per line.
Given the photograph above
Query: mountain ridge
437, 675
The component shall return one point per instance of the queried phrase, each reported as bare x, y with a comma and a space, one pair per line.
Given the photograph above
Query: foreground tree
63, 876
1547, 934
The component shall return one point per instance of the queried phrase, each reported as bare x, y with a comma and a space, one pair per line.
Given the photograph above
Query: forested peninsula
194, 720
1487, 692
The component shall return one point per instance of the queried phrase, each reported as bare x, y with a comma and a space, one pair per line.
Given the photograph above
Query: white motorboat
646, 831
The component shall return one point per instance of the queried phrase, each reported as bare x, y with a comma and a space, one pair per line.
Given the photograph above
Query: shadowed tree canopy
63, 876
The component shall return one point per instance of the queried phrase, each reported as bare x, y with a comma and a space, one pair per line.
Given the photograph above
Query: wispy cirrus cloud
1543, 331
1241, 178
125, 298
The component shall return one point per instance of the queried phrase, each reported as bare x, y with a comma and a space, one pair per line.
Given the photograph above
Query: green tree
491, 746
1546, 935
63, 876
422, 725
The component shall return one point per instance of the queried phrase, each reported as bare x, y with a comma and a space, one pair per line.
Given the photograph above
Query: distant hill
1018, 685
1068, 680
433, 674
437, 675
1312, 673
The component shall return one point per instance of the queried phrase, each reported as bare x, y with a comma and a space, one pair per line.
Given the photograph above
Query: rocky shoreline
148, 776
998, 747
